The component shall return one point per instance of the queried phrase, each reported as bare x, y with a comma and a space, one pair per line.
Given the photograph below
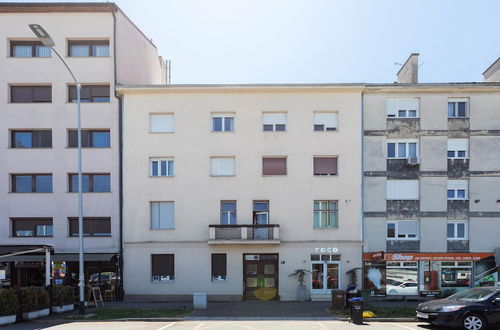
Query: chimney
408, 74
492, 74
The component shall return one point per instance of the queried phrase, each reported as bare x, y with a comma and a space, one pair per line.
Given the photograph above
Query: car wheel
474, 322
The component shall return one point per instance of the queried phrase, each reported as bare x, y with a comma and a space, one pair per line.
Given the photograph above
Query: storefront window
455, 274
374, 277
402, 278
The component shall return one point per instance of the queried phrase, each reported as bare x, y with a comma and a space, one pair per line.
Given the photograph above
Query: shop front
426, 274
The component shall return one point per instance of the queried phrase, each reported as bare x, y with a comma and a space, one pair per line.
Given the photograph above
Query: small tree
300, 275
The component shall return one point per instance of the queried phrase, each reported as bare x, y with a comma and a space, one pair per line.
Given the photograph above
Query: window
456, 230
458, 148
26, 183
325, 214
90, 138
162, 215
89, 93
84, 48
161, 123
30, 94
458, 189
458, 108
261, 215
274, 121
402, 190
325, 121
98, 226
222, 122
228, 212
32, 227
400, 149
90, 182
162, 267
162, 167
219, 266
402, 108
222, 166
325, 165
402, 229
274, 166
31, 139
456, 274
29, 49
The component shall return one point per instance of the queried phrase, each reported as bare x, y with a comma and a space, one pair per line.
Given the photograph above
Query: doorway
325, 276
260, 276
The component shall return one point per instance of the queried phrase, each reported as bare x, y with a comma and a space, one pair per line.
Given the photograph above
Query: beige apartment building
431, 176
38, 200
230, 189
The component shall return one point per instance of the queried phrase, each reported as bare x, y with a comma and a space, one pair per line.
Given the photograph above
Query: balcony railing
244, 234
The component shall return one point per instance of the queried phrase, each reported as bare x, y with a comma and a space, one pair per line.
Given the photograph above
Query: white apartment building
229, 189
431, 177
38, 203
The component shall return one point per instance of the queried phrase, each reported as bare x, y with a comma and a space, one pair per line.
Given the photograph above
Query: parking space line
402, 326
166, 326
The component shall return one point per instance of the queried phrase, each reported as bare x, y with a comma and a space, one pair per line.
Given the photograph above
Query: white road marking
166, 326
402, 326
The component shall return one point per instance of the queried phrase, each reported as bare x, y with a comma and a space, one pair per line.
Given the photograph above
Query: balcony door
261, 217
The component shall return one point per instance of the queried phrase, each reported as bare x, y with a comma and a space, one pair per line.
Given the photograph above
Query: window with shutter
402, 190
30, 94
89, 93
274, 165
325, 121
274, 121
162, 267
162, 215
222, 166
402, 229
161, 123
32, 227
325, 165
92, 226
403, 108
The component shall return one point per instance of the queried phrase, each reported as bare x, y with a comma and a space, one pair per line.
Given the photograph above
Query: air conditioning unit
412, 161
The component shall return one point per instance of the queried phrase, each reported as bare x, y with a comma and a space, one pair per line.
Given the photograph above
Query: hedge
9, 303
34, 299
63, 295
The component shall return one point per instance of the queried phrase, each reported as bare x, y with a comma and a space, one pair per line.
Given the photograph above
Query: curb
382, 319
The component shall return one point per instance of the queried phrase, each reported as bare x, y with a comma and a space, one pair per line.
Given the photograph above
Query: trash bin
356, 309
351, 292
338, 300
200, 300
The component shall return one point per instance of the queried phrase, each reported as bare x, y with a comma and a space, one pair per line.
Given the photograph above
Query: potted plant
300, 275
34, 302
8, 306
63, 298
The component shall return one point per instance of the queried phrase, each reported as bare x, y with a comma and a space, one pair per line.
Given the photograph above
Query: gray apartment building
431, 177
38, 154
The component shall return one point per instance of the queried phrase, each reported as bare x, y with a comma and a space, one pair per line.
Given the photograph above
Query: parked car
472, 309
402, 288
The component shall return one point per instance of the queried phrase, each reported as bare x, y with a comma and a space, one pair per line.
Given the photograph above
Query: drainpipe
362, 215
120, 156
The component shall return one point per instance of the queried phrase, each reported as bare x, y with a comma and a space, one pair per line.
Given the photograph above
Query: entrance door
260, 276
325, 276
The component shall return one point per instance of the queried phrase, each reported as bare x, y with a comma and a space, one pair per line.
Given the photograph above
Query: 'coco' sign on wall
326, 250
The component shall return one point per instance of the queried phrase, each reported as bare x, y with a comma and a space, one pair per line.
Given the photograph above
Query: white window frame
406, 146
216, 172
151, 205
393, 187
396, 106
456, 186
222, 115
456, 101
168, 160
332, 128
170, 127
455, 231
274, 118
453, 145
396, 231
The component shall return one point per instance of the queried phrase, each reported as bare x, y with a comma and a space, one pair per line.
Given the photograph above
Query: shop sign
377, 255
430, 256
431, 293
326, 250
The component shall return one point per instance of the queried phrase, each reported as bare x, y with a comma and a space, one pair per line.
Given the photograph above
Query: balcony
244, 234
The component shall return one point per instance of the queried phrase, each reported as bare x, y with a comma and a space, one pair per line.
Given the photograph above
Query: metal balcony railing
243, 233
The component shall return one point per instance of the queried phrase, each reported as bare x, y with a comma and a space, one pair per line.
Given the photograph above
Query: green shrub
63, 295
9, 303
34, 299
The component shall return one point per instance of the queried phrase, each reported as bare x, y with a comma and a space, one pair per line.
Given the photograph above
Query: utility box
338, 300
200, 300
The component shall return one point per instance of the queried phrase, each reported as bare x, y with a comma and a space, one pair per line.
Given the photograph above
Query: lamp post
47, 41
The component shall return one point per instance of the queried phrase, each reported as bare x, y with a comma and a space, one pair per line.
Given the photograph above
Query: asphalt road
225, 325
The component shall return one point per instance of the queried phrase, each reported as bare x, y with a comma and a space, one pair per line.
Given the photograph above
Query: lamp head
42, 35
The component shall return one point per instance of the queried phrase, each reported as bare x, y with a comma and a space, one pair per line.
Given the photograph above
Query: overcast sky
319, 41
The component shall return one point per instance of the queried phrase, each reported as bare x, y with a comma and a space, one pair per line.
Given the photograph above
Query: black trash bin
356, 309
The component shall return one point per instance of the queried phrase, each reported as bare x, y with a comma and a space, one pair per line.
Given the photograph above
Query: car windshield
476, 294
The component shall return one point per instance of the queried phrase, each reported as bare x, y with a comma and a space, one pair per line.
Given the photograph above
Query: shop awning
59, 257
8, 252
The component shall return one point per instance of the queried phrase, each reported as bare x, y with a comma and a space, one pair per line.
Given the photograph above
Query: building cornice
57, 7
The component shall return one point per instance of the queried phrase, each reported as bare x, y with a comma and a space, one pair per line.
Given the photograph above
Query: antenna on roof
397, 63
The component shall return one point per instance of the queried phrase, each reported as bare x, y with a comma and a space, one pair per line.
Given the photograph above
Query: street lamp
47, 41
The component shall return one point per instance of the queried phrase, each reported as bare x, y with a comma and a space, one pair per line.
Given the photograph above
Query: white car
402, 288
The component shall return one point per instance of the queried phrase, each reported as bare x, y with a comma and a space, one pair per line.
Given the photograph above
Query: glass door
261, 218
325, 276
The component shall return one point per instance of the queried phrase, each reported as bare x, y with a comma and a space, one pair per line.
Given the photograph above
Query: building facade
230, 189
431, 207
38, 155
